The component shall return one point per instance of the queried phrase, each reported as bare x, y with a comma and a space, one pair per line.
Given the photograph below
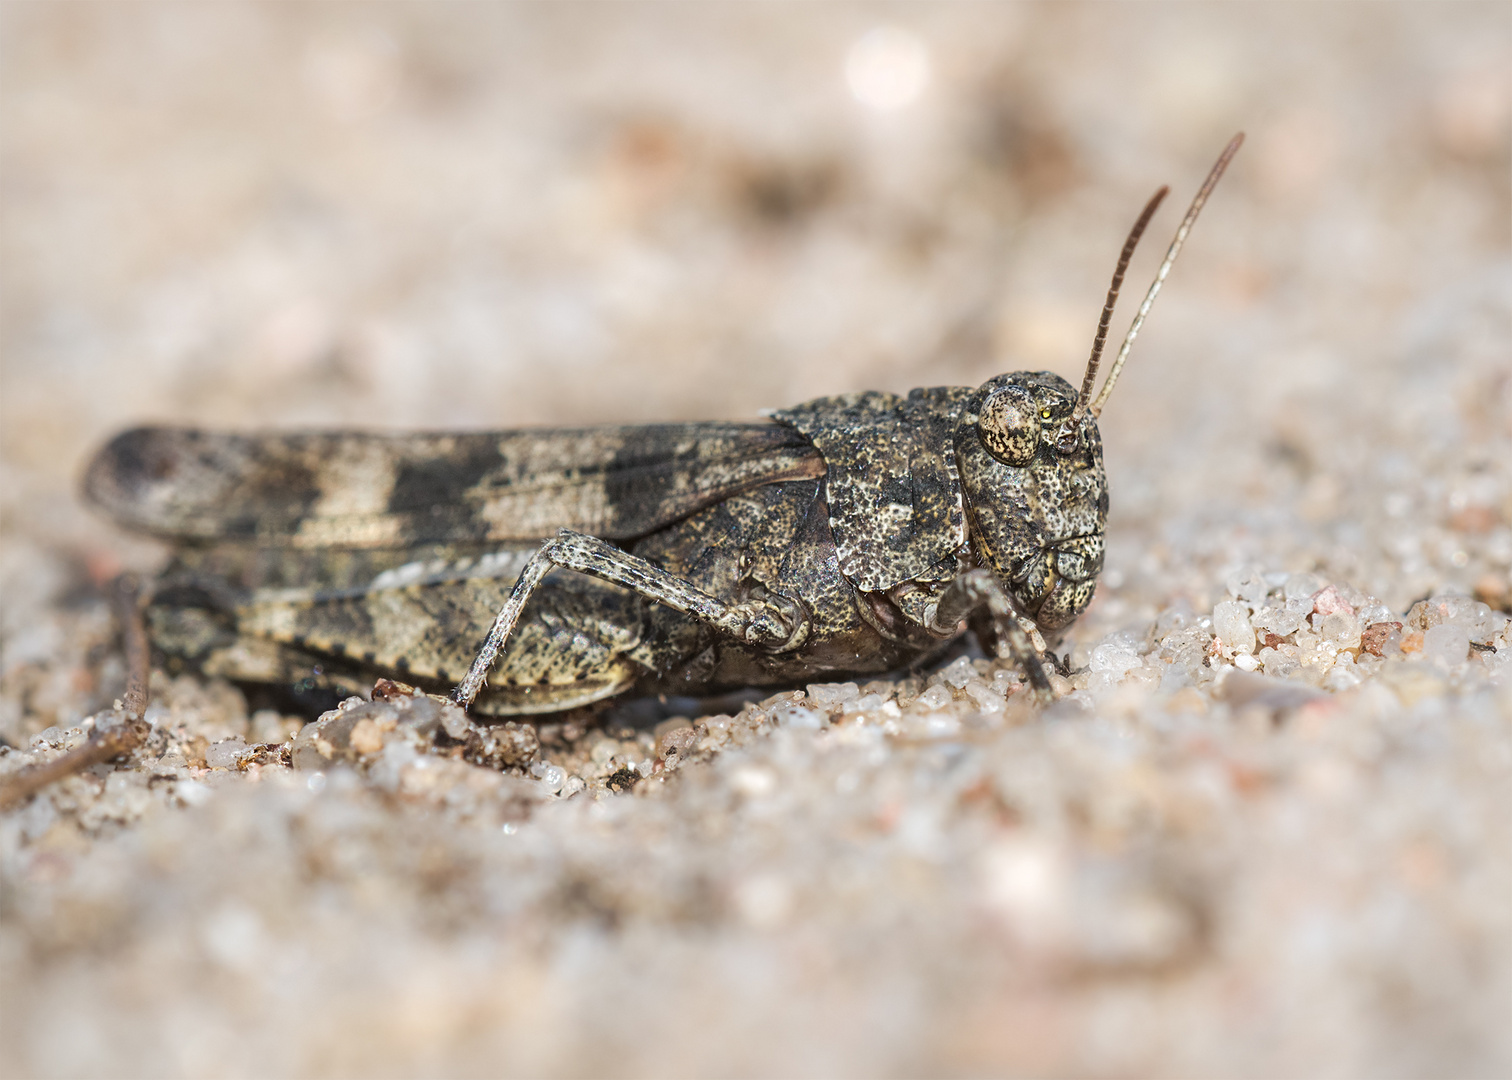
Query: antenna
1073, 422
1165, 268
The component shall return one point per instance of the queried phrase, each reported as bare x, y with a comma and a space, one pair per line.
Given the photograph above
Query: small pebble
1231, 623
832, 695
1375, 638
1247, 584
553, 777
1341, 629
50, 736
960, 673
1331, 600
797, 716
1114, 657
935, 698
984, 697
222, 755
1279, 664
1005, 681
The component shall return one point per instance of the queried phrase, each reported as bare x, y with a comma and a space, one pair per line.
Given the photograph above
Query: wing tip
112, 476
127, 476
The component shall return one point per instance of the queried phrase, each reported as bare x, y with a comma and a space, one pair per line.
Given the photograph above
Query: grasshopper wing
363, 490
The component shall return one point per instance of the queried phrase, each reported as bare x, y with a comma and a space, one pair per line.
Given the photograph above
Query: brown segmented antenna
1165, 268
1073, 422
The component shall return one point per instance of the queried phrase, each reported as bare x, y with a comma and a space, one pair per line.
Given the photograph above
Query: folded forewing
357, 489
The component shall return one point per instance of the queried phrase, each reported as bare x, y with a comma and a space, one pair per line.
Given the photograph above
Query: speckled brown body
337, 558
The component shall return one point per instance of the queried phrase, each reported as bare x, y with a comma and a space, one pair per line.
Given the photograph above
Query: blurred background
465, 215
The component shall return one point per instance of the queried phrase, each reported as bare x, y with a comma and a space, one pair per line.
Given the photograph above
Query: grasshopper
846, 536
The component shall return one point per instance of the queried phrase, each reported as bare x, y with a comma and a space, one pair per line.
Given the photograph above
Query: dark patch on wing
442, 482
894, 495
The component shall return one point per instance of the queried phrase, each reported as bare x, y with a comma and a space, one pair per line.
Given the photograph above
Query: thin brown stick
126, 600
119, 738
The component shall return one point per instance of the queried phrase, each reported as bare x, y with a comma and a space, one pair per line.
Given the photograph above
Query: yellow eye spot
1044, 414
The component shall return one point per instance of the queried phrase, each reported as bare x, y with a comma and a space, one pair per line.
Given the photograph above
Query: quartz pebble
1247, 584
1231, 623
1341, 629
936, 697
799, 717
1283, 618
984, 697
959, 673
833, 695
1283, 662
1115, 657
222, 755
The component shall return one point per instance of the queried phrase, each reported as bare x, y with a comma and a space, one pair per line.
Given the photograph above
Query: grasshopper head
1036, 495
1031, 463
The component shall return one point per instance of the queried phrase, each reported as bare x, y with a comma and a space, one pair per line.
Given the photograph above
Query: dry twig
128, 730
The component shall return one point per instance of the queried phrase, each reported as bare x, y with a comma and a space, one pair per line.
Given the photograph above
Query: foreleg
979, 589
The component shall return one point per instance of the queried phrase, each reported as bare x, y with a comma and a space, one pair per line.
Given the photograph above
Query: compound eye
1009, 426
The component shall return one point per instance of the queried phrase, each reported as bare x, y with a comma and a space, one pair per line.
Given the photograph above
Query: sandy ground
1266, 831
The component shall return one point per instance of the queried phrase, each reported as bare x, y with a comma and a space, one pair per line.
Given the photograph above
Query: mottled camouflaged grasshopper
848, 536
